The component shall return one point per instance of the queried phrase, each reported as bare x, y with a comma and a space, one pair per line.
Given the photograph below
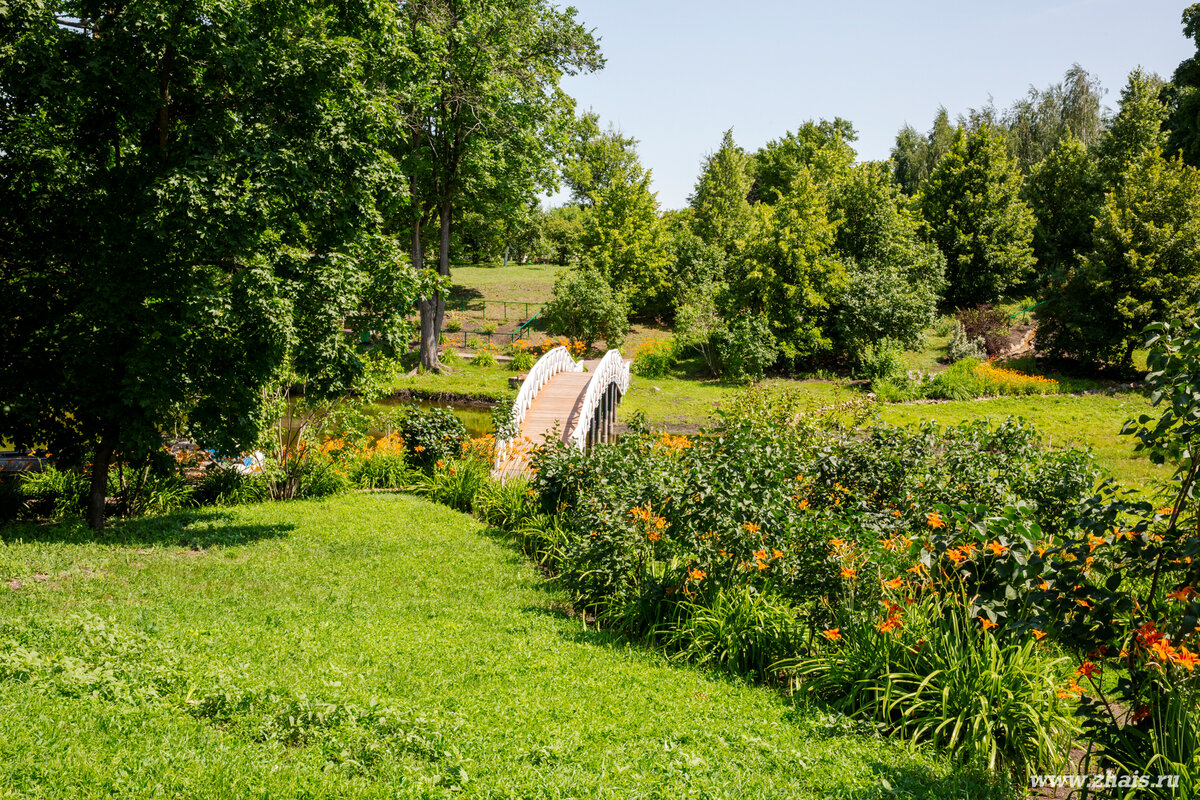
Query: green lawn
532, 283
371, 646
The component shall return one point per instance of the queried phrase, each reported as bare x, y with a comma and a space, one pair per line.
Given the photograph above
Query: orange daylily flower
1088, 670
987, 623
894, 583
1039, 635
751, 527
696, 575
935, 520
1187, 659
997, 548
833, 634
1182, 595
955, 555
849, 573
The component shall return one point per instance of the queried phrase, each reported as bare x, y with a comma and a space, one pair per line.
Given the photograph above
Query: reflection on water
478, 421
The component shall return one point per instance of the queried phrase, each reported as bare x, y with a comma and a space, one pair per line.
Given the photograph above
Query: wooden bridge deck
557, 405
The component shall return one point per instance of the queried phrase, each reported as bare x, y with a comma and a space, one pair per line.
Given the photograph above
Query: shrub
654, 358
484, 357
522, 361
586, 308
507, 505
453, 323
55, 492
430, 434
963, 346
488, 327
382, 465
225, 486
957, 382
880, 361
320, 478
985, 323
743, 348
454, 482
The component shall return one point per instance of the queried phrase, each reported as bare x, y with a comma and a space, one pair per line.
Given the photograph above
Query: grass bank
370, 646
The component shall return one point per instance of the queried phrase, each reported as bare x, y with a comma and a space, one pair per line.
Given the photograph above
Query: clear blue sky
680, 73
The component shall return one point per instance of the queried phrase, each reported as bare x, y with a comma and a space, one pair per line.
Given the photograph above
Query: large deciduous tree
1184, 122
721, 210
974, 212
191, 194
488, 102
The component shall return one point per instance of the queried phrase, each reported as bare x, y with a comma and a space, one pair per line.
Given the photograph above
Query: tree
594, 158
914, 156
191, 198
822, 149
789, 271
586, 309
894, 278
1065, 193
721, 212
974, 213
623, 239
563, 229
1039, 121
1184, 122
1136, 130
1145, 266
486, 103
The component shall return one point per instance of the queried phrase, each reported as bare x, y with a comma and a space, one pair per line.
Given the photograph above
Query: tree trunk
430, 329
443, 262
98, 492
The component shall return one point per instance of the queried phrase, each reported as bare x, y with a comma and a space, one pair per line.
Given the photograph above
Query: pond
476, 418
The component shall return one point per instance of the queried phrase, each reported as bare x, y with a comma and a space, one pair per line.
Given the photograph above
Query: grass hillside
370, 646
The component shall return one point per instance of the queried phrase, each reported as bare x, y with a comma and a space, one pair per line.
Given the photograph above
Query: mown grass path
360, 600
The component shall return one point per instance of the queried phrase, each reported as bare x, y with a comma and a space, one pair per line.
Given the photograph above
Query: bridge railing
550, 364
612, 369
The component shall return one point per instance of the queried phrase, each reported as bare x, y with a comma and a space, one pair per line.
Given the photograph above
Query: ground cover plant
372, 646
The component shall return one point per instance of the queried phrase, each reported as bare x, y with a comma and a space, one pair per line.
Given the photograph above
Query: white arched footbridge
578, 399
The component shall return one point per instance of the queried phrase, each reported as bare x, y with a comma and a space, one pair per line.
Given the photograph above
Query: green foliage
941, 678
721, 212
894, 279
1184, 97
507, 506
624, 240
207, 252
790, 269
562, 229
585, 308
881, 360
1137, 130
1043, 120
597, 159
484, 357
455, 483
963, 346
974, 213
504, 426
823, 149
914, 157
1065, 193
57, 493
742, 349
1145, 266
741, 630
654, 358
430, 434
226, 486
522, 361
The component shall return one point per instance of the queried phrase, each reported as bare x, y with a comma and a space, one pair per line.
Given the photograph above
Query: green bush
956, 382
54, 492
484, 357
507, 505
938, 676
225, 486
961, 346
585, 308
880, 361
522, 361
743, 348
430, 434
454, 482
488, 327
654, 358
380, 471
453, 323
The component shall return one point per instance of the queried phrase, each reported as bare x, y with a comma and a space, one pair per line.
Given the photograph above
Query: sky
679, 74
